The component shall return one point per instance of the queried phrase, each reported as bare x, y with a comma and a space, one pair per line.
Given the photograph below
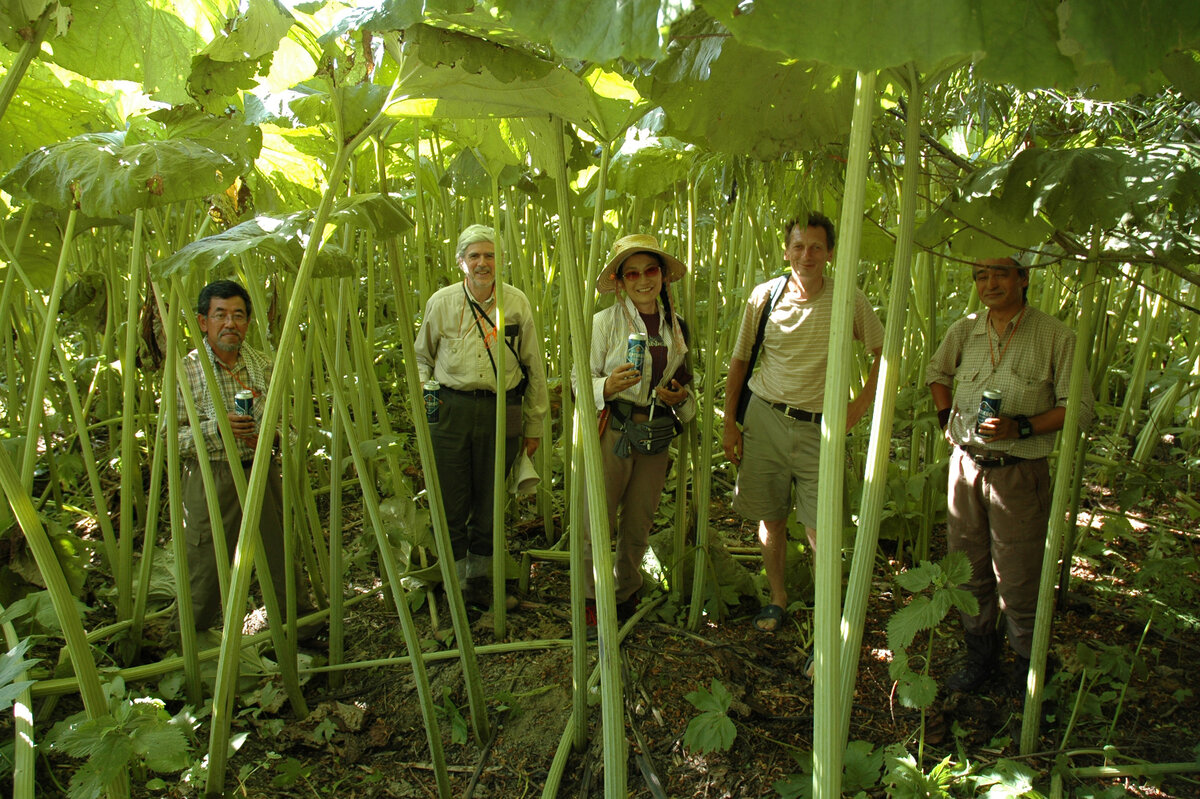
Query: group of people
640, 375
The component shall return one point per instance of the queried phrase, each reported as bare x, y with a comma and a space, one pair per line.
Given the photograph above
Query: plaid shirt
252, 371
1033, 375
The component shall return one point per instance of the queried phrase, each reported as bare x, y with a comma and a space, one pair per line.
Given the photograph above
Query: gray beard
223, 347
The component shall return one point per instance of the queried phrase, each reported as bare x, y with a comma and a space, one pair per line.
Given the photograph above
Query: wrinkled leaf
102, 176
788, 105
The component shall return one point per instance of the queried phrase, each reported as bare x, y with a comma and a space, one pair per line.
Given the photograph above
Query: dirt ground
376, 745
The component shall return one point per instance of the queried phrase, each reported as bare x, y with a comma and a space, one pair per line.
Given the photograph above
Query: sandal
769, 619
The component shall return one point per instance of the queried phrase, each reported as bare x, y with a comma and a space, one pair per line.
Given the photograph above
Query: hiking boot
627, 607
982, 651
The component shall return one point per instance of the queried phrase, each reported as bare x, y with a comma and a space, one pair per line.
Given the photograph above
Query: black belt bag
650, 437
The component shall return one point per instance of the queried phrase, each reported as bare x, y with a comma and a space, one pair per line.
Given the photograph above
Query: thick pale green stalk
1068, 442
79, 418
499, 473
149, 535
412, 638
827, 747
579, 659
227, 668
62, 598
25, 56
441, 533
612, 711
341, 428
686, 445
130, 463
23, 750
170, 411
37, 391
708, 415
875, 481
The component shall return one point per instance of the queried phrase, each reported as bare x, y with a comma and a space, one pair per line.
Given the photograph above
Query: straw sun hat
626, 246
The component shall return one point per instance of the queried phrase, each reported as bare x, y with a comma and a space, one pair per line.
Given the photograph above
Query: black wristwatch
1024, 426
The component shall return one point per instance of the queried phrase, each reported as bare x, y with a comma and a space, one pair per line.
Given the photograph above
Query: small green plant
137, 732
860, 771
917, 689
712, 730
449, 710
12, 665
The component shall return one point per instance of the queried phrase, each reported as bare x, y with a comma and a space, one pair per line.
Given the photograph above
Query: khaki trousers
998, 516
633, 487
202, 559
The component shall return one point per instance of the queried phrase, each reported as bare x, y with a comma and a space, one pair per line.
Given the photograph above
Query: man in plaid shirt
223, 312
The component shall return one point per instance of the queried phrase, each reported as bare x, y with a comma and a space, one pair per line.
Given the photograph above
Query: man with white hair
999, 486
457, 346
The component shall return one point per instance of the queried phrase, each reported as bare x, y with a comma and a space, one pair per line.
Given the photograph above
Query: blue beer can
635, 351
243, 402
431, 392
989, 407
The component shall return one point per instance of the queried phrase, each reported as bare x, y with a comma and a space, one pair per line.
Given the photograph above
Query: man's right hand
243, 428
732, 441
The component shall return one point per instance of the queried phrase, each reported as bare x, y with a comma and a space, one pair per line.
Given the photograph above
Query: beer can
635, 352
243, 402
431, 392
989, 407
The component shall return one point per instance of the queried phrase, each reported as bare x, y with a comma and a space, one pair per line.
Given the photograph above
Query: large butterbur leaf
103, 176
593, 30
47, 110
1112, 48
1023, 201
136, 40
470, 77
727, 96
283, 239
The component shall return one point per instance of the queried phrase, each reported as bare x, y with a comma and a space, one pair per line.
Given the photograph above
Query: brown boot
982, 654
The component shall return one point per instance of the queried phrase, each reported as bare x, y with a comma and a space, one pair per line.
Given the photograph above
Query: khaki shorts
778, 452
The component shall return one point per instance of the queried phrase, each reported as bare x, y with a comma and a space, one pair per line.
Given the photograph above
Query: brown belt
990, 459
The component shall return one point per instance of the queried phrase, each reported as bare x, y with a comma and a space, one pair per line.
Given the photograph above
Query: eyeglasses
220, 317
650, 271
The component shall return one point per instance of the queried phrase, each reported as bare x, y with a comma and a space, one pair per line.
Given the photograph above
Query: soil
378, 748
364, 736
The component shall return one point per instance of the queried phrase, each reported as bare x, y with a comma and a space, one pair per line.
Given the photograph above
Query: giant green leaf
283, 238
1130, 38
470, 77
727, 96
650, 171
102, 176
593, 30
46, 110
252, 34
1022, 201
137, 40
1028, 43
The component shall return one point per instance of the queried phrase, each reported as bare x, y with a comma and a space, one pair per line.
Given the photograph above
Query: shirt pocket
1034, 392
453, 357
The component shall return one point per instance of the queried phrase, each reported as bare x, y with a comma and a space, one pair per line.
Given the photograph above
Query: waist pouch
650, 437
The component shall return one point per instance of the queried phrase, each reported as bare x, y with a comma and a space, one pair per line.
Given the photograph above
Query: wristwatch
1024, 426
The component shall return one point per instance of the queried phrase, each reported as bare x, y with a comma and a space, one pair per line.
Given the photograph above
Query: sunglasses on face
650, 271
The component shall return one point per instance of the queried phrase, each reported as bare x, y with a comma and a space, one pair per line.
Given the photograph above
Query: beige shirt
795, 349
1029, 362
452, 351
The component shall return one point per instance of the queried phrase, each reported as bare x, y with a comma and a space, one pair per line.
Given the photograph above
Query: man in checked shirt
223, 312
999, 486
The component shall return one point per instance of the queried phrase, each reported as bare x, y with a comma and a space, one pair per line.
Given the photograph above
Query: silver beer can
635, 351
989, 407
243, 402
431, 391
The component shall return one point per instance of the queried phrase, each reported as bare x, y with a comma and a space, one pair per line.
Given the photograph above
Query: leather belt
480, 393
796, 413
990, 459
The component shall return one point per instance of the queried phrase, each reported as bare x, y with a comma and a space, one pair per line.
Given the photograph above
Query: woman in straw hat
640, 274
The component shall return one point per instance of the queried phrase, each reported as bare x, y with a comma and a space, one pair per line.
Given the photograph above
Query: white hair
472, 235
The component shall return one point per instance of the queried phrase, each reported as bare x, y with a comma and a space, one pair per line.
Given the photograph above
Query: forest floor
1118, 685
